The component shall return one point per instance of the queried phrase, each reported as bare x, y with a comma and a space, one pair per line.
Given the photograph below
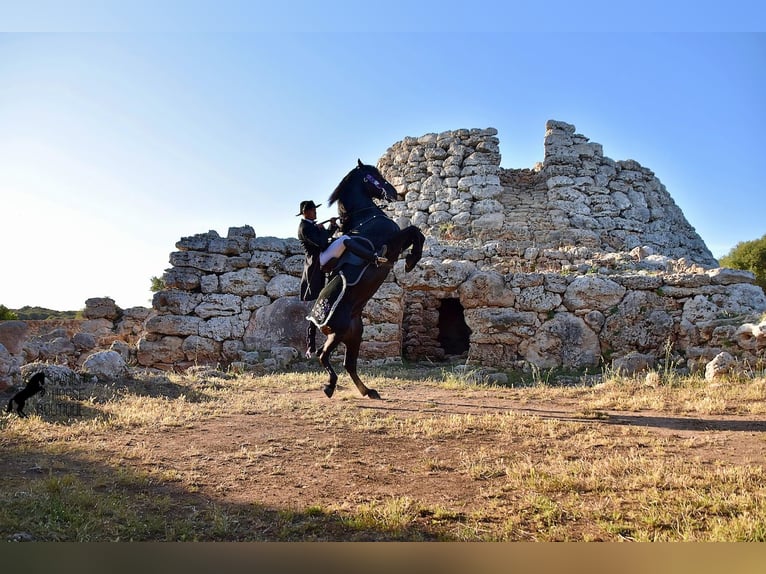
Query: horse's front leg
324, 359
416, 239
353, 342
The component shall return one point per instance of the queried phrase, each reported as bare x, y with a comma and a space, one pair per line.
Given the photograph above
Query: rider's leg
335, 249
360, 248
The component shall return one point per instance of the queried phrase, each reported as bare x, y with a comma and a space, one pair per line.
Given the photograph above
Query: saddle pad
328, 300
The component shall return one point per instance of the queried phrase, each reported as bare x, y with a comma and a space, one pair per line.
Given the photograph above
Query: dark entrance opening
453, 332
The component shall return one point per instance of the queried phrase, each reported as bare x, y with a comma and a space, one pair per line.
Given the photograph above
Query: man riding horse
321, 253
338, 308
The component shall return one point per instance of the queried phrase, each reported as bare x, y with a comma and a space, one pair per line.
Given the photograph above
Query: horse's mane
335, 195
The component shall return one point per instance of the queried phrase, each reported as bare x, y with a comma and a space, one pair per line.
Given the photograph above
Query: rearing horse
361, 217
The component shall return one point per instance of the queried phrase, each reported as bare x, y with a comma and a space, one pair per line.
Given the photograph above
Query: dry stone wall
619, 317
576, 261
234, 301
70, 343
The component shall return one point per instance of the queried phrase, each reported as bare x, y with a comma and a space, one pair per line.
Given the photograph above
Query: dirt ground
303, 461
303, 451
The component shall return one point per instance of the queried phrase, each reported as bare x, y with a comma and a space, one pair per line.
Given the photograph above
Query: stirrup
380, 258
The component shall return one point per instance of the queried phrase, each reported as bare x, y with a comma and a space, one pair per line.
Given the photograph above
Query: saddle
349, 259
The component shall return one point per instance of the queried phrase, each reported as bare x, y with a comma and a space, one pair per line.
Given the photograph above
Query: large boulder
283, 286
59, 375
564, 341
101, 308
485, 289
163, 351
639, 323
432, 273
593, 292
201, 350
281, 324
751, 337
12, 335
721, 365
105, 364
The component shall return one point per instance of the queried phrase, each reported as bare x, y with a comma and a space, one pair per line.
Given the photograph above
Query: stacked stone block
578, 261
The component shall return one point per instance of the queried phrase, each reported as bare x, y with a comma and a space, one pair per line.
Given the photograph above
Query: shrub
7, 314
749, 256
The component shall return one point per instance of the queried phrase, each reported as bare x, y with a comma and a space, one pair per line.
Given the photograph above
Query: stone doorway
454, 333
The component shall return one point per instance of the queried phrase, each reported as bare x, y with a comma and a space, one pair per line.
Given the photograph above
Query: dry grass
506, 468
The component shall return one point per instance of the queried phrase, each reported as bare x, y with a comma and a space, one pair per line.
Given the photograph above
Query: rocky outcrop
106, 365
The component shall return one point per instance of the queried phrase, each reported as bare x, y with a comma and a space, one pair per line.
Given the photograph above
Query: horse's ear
359, 162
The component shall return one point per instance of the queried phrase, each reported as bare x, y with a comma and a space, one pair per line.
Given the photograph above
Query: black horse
360, 217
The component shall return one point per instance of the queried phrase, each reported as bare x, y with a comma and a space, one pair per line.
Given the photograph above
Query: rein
365, 222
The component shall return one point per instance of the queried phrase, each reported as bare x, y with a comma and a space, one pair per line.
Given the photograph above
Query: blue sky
123, 129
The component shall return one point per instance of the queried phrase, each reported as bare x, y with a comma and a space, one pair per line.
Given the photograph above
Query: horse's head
376, 185
363, 183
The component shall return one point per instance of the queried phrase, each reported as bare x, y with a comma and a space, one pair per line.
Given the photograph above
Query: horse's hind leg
353, 342
324, 359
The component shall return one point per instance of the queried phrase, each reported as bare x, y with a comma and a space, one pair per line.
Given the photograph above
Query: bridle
369, 178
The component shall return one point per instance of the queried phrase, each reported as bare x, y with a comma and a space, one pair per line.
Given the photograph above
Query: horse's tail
9, 408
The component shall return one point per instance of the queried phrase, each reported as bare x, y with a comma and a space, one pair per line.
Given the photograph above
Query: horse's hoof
373, 394
329, 390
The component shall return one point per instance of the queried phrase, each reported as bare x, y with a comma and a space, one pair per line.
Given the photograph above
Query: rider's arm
315, 236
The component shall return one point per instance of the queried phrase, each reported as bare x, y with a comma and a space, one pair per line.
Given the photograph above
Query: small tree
158, 284
750, 256
6, 314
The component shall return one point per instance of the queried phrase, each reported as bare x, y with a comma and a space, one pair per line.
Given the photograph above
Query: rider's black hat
307, 205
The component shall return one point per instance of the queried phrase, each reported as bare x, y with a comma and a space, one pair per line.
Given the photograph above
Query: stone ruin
580, 261
576, 261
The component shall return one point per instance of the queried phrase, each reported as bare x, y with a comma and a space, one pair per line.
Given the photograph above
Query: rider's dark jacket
314, 240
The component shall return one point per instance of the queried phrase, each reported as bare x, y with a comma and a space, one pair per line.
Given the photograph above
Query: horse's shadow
687, 423
595, 417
